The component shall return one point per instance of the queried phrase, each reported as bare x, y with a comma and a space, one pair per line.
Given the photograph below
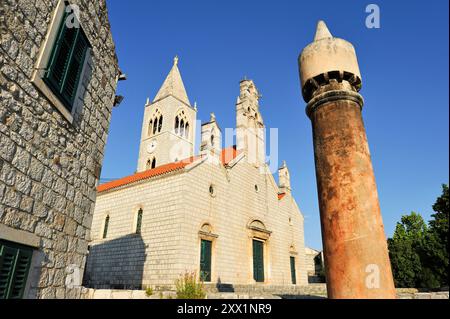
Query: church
219, 214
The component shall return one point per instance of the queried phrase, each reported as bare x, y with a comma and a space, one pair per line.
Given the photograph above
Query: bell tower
284, 179
211, 138
250, 132
168, 127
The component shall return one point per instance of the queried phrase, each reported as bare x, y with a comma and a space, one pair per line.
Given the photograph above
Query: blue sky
404, 66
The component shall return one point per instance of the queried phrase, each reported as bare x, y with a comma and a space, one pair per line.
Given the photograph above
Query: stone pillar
355, 249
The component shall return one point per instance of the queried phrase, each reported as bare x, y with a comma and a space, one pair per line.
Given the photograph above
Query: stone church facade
219, 214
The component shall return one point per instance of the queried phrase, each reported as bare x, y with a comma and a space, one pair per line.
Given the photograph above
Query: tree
404, 250
434, 252
419, 254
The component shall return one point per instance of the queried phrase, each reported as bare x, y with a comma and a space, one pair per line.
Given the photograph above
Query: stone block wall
170, 147
125, 259
243, 194
49, 167
175, 208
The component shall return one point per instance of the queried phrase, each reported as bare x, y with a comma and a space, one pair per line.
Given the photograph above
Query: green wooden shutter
293, 274
258, 261
74, 68
205, 260
59, 58
7, 261
15, 261
66, 62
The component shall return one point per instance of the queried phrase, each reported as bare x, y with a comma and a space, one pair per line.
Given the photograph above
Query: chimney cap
322, 31
327, 54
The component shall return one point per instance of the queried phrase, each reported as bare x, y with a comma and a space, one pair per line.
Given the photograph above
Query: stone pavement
312, 291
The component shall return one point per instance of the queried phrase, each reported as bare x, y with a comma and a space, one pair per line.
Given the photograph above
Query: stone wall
49, 166
230, 212
128, 260
413, 293
313, 291
170, 147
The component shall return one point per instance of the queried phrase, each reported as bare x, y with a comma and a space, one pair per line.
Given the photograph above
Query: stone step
312, 289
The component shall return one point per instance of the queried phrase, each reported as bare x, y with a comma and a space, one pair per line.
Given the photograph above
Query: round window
212, 190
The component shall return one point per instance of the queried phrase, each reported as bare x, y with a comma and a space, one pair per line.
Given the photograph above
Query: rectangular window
205, 260
139, 222
293, 274
15, 261
258, 261
66, 61
105, 227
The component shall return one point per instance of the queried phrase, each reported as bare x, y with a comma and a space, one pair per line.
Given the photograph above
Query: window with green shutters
205, 260
15, 261
258, 260
139, 221
66, 61
293, 274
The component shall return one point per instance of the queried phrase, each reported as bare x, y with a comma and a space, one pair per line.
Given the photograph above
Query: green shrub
188, 287
149, 291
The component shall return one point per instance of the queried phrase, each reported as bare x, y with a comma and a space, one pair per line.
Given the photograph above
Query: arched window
105, 226
186, 129
177, 125
181, 124
150, 125
139, 221
160, 122
154, 163
155, 122
212, 139
148, 165
155, 126
182, 127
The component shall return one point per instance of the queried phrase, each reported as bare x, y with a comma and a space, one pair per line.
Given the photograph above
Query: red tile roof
160, 170
228, 154
280, 196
